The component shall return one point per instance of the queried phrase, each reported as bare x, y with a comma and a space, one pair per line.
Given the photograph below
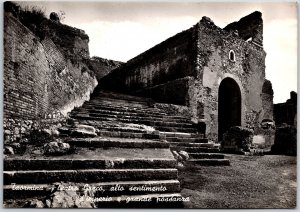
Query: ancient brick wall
154, 70
41, 84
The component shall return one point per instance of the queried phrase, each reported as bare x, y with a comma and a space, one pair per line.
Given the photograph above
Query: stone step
108, 133
123, 109
187, 140
110, 113
117, 102
176, 129
100, 142
111, 95
181, 135
139, 117
196, 149
108, 158
100, 99
210, 162
119, 129
118, 109
187, 144
74, 164
100, 189
87, 175
206, 156
135, 120
160, 128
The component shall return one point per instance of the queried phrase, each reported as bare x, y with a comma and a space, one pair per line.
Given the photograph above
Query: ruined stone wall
267, 100
249, 27
214, 64
102, 67
189, 68
41, 84
154, 71
72, 42
287, 112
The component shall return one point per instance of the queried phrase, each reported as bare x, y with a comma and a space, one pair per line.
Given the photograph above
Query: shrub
30, 16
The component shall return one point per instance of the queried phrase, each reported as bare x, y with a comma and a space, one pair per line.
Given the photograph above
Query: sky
122, 30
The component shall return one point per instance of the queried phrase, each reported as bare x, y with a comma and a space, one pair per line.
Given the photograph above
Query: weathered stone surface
9, 150
40, 136
286, 112
285, 140
198, 61
86, 128
37, 152
88, 175
40, 69
184, 155
56, 148
15, 145
63, 199
46, 132
24, 141
35, 203
237, 139
81, 132
18, 148
268, 124
179, 165
102, 67
48, 203
173, 109
249, 26
177, 156
265, 135
55, 132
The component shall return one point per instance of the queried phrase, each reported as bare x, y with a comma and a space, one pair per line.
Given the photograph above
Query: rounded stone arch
229, 105
237, 80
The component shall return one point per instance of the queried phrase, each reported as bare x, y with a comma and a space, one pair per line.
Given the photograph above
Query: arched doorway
229, 109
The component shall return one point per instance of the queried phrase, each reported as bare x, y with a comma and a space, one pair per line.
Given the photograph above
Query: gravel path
250, 182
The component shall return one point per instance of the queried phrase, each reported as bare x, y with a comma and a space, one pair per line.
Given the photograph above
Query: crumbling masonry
200, 82
216, 75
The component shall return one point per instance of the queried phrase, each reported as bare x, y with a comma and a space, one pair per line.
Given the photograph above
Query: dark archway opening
229, 110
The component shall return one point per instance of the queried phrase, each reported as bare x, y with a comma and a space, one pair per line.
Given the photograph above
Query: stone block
237, 139
9, 150
285, 140
184, 155
56, 148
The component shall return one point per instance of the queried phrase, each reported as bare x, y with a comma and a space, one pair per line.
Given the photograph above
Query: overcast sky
121, 31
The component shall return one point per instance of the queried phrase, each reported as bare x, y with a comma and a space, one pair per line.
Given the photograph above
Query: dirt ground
250, 182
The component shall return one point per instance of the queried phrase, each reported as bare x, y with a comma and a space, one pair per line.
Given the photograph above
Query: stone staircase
130, 150
200, 150
106, 109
